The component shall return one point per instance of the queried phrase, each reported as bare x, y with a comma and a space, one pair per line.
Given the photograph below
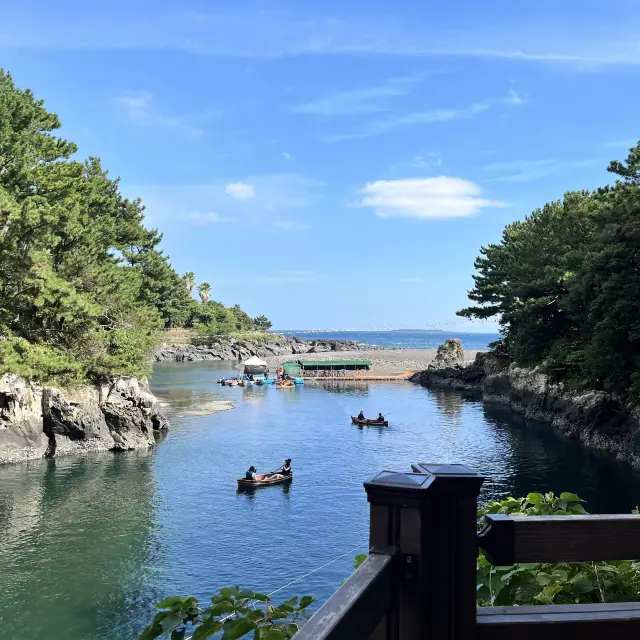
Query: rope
302, 577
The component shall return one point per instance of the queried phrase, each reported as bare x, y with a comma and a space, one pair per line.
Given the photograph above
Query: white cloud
139, 108
288, 157
425, 198
240, 190
358, 101
290, 225
430, 116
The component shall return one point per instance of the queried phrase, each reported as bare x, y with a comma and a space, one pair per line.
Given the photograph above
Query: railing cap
427, 480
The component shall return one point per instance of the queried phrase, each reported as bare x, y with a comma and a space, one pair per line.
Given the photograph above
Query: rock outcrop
234, 349
597, 419
38, 421
449, 354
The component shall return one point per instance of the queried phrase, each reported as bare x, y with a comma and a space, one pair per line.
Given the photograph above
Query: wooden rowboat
370, 423
263, 482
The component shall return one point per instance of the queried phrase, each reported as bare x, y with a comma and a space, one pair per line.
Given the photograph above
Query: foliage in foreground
235, 612
564, 284
547, 583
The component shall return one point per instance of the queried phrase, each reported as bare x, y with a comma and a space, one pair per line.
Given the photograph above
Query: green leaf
305, 601
230, 591
171, 601
178, 634
261, 597
154, 630
172, 621
535, 498
570, 497
236, 628
273, 634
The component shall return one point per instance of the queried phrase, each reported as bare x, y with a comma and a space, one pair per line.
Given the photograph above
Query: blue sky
337, 164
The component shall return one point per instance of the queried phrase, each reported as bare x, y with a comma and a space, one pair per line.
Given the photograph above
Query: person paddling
380, 417
285, 469
361, 416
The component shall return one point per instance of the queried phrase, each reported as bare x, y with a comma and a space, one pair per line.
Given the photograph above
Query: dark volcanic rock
233, 349
597, 419
37, 421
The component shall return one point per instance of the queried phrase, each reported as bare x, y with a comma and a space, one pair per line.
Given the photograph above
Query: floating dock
361, 378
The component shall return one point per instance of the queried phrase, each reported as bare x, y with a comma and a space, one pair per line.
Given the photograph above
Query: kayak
370, 423
264, 482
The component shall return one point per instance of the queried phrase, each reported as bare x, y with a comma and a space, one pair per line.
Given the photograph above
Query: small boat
370, 423
263, 482
298, 381
285, 386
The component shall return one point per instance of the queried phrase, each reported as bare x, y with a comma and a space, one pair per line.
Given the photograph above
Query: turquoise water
87, 545
401, 339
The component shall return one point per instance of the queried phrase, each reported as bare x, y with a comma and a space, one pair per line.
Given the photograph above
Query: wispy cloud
288, 157
278, 34
139, 107
279, 193
358, 101
625, 143
430, 116
529, 170
290, 277
290, 225
424, 161
425, 198
203, 217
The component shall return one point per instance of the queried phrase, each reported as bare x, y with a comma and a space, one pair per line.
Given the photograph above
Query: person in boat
361, 416
251, 474
285, 469
380, 418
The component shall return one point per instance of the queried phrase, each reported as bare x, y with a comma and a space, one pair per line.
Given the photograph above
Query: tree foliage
235, 612
84, 285
261, 323
565, 285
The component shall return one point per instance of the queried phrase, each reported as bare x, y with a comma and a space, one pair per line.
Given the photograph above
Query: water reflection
77, 544
449, 403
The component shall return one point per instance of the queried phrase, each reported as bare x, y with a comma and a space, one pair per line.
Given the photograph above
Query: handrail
508, 540
356, 608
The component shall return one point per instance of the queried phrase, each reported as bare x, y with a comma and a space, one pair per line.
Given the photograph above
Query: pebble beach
385, 362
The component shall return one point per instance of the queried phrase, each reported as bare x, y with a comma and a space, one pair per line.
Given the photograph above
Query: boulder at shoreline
37, 421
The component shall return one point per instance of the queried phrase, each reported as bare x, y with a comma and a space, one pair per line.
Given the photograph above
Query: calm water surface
87, 545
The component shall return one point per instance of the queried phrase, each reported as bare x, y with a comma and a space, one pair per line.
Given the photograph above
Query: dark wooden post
430, 515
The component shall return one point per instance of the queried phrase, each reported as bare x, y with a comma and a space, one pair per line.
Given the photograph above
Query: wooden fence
419, 581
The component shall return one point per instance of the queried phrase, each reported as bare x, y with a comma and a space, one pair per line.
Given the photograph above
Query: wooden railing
419, 581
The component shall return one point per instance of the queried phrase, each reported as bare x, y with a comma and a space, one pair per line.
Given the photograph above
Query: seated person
380, 417
251, 474
285, 469
361, 416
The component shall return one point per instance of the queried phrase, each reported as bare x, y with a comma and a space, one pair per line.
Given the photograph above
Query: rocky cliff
38, 421
597, 419
234, 349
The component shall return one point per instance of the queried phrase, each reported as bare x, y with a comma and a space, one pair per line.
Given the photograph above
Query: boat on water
369, 423
262, 481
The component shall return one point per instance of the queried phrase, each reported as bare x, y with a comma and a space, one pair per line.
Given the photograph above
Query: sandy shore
385, 362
